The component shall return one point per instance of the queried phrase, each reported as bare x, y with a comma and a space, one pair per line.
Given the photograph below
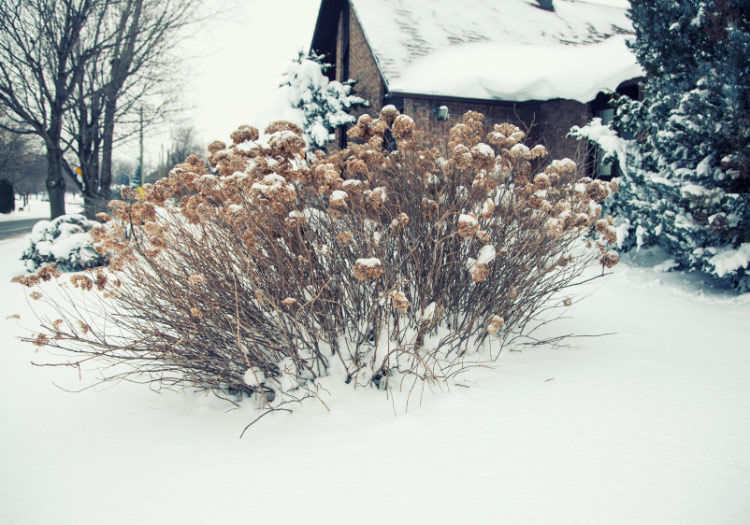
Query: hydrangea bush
387, 267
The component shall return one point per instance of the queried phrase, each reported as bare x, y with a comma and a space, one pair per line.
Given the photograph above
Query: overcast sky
234, 63
238, 58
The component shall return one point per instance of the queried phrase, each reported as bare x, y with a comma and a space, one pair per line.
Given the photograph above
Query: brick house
544, 66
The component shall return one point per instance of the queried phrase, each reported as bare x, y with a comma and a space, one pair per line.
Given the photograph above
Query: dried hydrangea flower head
403, 127
610, 259
462, 157
388, 114
561, 167
488, 209
283, 125
362, 130
541, 182
216, 146
244, 134
370, 268
479, 272
400, 302
468, 225
430, 207
496, 323
505, 135
377, 198
338, 200
345, 237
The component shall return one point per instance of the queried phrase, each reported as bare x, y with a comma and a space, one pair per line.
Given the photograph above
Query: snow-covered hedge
63, 241
385, 267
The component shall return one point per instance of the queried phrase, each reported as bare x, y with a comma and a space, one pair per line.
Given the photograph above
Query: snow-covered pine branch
313, 101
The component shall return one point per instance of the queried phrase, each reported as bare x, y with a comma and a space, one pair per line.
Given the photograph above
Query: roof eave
468, 100
497, 101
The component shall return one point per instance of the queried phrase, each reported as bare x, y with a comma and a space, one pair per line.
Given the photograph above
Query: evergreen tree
685, 147
325, 104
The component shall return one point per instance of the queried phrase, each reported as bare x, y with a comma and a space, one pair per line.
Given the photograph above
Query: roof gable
489, 49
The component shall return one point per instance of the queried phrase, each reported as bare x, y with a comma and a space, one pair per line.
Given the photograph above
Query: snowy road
12, 228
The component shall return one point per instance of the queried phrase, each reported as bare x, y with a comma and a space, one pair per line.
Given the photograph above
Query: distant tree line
21, 166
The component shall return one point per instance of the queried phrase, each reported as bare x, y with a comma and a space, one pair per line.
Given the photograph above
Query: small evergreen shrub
64, 242
387, 268
317, 104
7, 196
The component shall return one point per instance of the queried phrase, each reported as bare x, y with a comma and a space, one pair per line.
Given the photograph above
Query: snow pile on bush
686, 172
388, 268
63, 241
312, 101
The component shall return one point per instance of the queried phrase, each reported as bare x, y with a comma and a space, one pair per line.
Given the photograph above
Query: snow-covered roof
499, 49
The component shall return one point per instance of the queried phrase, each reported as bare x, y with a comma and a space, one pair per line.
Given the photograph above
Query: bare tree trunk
55, 181
108, 133
88, 148
45, 46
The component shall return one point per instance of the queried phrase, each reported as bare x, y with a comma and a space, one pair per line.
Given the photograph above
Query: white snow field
649, 425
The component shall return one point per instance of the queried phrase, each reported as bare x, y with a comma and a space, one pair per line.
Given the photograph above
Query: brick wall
364, 69
552, 122
423, 111
361, 67
545, 122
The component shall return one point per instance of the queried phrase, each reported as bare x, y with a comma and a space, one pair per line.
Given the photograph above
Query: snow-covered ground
649, 425
39, 208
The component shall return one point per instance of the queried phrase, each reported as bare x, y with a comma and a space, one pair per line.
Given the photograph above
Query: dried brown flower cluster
479, 272
468, 225
45, 273
400, 302
271, 260
371, 268
496, 323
